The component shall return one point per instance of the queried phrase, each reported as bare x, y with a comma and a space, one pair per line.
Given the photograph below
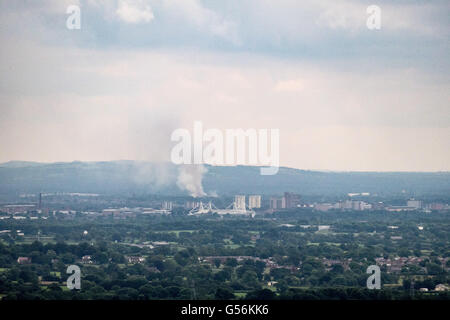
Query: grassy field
31, 239
56, 273
240, 294
176, 232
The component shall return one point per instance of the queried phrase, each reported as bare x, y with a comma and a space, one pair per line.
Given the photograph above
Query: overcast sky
344, 97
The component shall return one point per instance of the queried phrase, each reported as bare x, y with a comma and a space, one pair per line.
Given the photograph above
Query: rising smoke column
190, 179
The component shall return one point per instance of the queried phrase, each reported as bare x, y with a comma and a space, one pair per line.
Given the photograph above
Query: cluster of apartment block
288, 201
359, 205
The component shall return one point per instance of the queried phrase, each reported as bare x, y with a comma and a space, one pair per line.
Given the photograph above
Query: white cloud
351, 15
204, 19
134, 11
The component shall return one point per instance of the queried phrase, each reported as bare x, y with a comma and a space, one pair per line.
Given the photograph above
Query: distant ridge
20, 164
129, 177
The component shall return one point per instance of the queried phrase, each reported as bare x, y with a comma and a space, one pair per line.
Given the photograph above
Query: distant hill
128, 177
243, 179
20, 164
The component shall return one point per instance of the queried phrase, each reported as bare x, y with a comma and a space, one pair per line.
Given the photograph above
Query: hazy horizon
345, 98
243, 165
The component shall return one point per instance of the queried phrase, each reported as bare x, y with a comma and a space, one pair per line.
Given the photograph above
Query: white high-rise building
254, 201
239, 202
167, 205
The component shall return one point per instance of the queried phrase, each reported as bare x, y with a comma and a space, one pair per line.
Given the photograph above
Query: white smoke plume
159, 174
213, 194
190, 178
